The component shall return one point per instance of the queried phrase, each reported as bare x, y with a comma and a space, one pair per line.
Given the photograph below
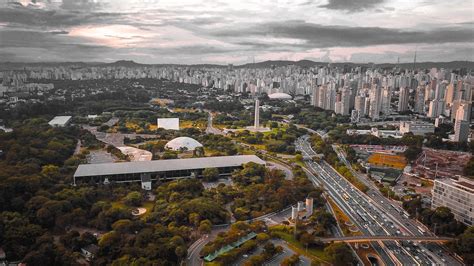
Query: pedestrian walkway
229, 247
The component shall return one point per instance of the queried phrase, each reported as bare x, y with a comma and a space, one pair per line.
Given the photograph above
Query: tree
50, 171
123, 226
133, 198
199, 152
205, 227
339, 253
269, 249
180, 251
293, 260
210, 174
465, 245
412, 152
169, 155
262, 237
324, 218
306, 239
469, 168
299, 157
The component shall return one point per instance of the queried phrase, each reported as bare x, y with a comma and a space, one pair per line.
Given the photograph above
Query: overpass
354, 239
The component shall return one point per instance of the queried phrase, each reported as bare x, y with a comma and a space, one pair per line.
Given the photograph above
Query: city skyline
198, 32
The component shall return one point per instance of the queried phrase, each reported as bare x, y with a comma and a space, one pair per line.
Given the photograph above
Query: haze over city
243, 133
222, 32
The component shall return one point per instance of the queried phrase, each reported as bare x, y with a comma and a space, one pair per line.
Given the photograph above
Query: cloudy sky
236, 31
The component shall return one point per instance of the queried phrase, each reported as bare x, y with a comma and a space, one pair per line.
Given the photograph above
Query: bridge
354, 239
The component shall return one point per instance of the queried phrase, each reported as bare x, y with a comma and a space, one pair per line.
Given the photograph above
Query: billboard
168, 123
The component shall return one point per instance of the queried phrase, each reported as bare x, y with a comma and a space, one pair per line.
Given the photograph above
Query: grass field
389, 160
342, 219
132, 126
195, 124
296, 246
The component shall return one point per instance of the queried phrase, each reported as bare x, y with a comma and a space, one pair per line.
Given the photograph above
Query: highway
366, 215
399, 216
355, 239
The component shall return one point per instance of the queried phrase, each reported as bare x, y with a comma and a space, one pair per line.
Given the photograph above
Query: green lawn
149, 208
119, 205
313, 253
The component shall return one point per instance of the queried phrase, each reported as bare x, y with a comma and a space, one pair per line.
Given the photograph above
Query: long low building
148, 171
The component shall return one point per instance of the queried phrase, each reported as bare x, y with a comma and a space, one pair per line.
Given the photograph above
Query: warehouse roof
102, 169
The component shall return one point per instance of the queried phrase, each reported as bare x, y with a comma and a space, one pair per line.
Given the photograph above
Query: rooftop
462, 183
60, 120
102, 169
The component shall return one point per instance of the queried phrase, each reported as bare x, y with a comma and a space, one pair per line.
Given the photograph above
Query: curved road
193, 257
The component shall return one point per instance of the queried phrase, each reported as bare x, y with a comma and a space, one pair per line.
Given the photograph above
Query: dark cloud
352, 5
321, 36
46, 40
80, 5
59, 32
53, 18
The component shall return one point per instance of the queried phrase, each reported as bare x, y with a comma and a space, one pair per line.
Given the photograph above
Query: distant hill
123, 63
309, 63
264, 64
21, 65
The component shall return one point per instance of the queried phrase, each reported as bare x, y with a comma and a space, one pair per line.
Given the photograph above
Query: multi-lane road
394, 210
375, 215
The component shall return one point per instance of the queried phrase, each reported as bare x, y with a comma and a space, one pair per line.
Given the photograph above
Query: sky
236, 31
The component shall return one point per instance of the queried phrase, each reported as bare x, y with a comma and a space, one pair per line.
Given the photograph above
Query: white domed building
183, 143
279, 96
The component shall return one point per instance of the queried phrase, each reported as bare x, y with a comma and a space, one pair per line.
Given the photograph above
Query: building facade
416, 128
457, 195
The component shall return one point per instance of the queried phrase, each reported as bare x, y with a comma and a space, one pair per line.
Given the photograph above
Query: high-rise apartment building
436, 108
420, 100
461, 131
457, 195
403, 99
375, 101
386, 100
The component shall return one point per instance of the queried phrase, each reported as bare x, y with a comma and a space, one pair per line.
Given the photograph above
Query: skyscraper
461, 131
375, 101
403, 99
420, 100
359, 105
436, 108
386, 99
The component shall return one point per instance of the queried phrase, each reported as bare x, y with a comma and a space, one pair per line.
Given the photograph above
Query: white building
60, 121
183, 143
168, 123
458, 195
355, 116
375, 97
416, 128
